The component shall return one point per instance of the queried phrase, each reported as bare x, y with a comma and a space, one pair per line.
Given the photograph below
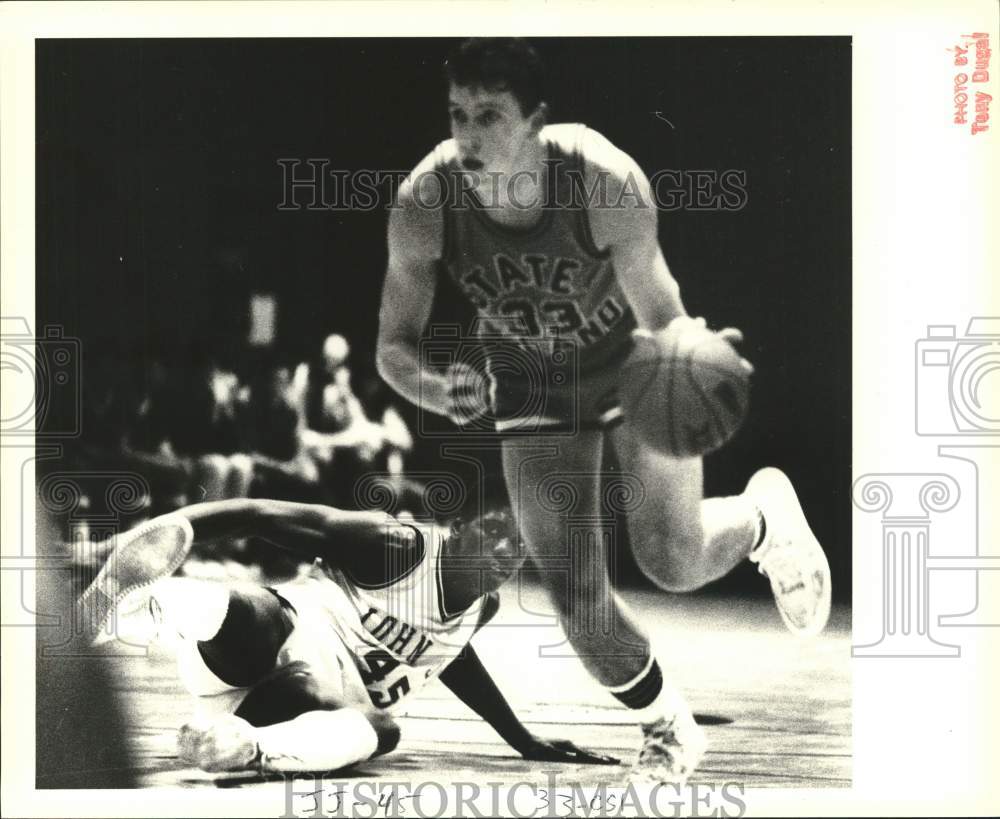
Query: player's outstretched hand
562, 750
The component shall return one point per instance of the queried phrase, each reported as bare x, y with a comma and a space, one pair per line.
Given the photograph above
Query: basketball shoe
671, 750
790, 556
139, 558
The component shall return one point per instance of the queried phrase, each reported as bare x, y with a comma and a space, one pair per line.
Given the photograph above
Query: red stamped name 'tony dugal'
972, 59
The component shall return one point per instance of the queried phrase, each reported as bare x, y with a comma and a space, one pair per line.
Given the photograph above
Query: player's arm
415, 237
469, 680
629, 230
342, 538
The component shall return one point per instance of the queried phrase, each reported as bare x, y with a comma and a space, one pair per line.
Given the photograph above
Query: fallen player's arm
340, 537
469, 680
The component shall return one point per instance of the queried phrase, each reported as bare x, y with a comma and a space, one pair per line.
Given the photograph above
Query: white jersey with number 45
393, 622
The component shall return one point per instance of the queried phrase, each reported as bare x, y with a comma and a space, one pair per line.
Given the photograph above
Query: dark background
158, 186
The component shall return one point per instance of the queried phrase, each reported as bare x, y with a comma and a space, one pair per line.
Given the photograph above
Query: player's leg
225, 635
244, 647
551, 481
681, 540
311, 713
229, 638
293, 720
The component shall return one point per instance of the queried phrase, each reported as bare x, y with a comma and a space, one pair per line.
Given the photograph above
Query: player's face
491, 133
490, 543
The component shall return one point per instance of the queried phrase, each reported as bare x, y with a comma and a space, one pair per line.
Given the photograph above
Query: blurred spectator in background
195, 433
122, 432
397, 442
147, 440
338, 433
203, 427
346, 442
409, 494
274, 424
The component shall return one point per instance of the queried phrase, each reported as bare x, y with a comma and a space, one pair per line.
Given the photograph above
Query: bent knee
287, 693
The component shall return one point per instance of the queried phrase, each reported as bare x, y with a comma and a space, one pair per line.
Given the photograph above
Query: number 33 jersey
397, 632
545, 281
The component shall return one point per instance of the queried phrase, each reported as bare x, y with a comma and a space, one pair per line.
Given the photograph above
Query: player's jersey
397, 632
548, 281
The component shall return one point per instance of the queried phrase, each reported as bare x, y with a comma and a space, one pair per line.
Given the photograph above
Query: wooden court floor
777, 709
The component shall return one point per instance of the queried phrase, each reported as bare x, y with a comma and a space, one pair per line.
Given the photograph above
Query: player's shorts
314, 641
555, 394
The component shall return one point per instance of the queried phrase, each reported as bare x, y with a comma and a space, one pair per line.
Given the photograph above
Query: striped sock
648, 698
641, 691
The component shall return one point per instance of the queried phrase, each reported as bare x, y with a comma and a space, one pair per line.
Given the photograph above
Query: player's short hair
499, 64
496, 522
499, 520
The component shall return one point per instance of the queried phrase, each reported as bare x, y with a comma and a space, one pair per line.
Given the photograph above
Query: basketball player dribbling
306, 675
489, 208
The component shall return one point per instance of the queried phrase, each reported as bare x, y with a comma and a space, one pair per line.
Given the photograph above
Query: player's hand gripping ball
685, 390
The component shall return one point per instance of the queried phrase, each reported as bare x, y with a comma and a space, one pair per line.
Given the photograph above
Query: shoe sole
773, 483
140, 558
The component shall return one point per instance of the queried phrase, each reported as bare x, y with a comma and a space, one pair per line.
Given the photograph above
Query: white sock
669, 705
317, 741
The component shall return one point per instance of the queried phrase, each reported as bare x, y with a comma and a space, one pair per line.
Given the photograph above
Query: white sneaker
223, 743
790, 556
671, 750
140, 557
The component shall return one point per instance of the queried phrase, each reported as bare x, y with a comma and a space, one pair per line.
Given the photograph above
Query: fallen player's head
488, 545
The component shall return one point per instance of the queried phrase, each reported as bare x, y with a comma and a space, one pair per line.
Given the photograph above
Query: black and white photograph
409, 306
450, 425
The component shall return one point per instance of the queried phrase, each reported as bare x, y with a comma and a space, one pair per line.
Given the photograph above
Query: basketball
685, 390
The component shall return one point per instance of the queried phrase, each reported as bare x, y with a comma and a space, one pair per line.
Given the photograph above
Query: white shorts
314, 640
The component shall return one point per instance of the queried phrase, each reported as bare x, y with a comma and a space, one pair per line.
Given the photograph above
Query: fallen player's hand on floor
224, 743
562, 750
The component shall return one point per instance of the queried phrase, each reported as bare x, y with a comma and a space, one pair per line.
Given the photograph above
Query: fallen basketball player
304, 676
